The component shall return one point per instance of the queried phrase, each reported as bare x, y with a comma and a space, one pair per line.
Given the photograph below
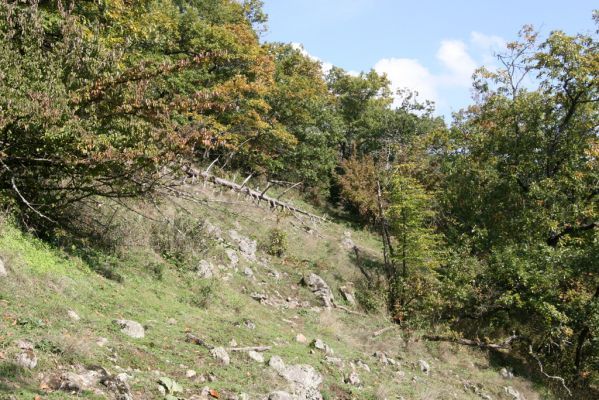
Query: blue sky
429, 46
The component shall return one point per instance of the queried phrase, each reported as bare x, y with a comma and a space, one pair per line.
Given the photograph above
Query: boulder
318, 344
424, 367
301, 338
233, 257
27, 359
254, 355
247, 246
205, 269
320, 288
347, 242
131, 328
348, 295
513, 393
221, 355
353, 379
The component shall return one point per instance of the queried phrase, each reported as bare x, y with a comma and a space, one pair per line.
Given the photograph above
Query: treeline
489, 226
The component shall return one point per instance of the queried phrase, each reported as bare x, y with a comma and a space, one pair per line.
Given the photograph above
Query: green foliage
180, 240
276, 242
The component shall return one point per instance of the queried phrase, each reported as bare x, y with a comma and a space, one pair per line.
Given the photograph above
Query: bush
276, 243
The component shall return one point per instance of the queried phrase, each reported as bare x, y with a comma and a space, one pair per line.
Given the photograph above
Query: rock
171, 321
384, 358
220, 354
247, 246
27, 359
363, 365
348, 295
424, 367
3, 272
213, 230
276, 363
322, 346
254, 355
510, 391
119, 385
303, 375
73, 315
102, 341
320, 288
78, 382
353, 379
248, 272
24, 344
261, 297
131, 328
249, 324
205, 270
233, 257
190, 373
301, 338
280, 395
347, 242
505, 373
336, 361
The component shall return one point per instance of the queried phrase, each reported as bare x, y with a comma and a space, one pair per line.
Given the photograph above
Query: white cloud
326, 66
458, 64
408, 73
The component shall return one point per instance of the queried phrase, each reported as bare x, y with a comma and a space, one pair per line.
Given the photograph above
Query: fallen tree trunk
191, 338
259, 196
251, 348
474, 343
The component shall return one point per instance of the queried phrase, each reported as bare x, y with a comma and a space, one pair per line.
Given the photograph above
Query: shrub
276, 243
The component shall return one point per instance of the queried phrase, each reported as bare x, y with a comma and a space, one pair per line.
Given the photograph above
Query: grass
45, 282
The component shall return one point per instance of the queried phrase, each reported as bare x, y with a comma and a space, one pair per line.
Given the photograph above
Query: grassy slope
44, 283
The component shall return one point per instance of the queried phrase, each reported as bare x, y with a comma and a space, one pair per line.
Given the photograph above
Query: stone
363, 365
347, 242
276, 363
213, 230
205, 269
233, 257
190, 373
73, 315
304, 375
301, 338
131, 328
424, 367
24, 344
248, 272
280, 395
320, 288
101, 341
348, 295
3, 272
27, 359
171, 321
336, 361
246, 246
318, 344
221, 355
78, 382
505, 373
510, 391
353, 379
254, 355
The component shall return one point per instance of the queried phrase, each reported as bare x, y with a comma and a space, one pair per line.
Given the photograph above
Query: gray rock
303, 375
347, 242
348, 295
336, 361
3, 272
233, 257
320, 288
102, 341
78, 382
353, 379
505, 373
318, 344
205, 269
254, 355
24, 344
213, 230
131, 328
277, 364
384, 358
280, 395
248, 272
513, 393
247, 246
424, 367
73, 315
301, 338
190, 373
27, 359
220, 354
363, 365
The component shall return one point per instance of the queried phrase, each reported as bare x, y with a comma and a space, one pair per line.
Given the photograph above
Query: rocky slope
191, 307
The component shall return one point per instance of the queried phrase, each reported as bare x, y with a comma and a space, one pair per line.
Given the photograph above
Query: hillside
58, 310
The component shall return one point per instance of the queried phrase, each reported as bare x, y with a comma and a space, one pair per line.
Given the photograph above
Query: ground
148, 272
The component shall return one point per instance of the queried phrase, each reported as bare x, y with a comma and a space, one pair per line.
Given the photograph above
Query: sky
428, 46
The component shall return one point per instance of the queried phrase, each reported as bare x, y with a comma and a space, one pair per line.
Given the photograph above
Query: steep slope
195, 277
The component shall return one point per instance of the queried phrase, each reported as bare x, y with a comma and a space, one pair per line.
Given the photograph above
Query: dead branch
475, 343
347, 310
288, 189
191, 338
384, 330
251, 348
554, 377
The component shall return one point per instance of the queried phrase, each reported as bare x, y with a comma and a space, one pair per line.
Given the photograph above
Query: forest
488, 224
